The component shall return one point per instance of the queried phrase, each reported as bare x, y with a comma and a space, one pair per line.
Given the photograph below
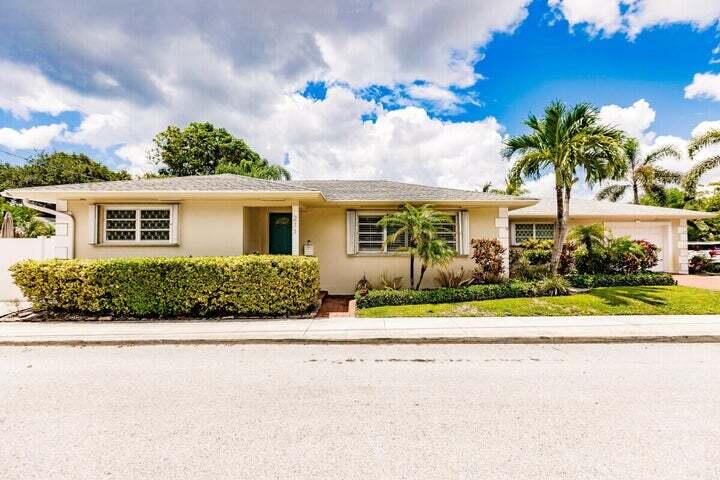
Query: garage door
656, 233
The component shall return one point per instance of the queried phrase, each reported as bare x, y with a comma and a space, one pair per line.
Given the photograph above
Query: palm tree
420, 226
591, 237
432, 252
698, 144
643, 173
566, 140
513, 186
257, 169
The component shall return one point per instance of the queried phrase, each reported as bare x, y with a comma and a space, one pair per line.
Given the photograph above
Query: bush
253, 285
532, 260
619, 255
619, 280
537, 252
698, 264
449, 278
552, 287
522, 269
488, 257
379, 298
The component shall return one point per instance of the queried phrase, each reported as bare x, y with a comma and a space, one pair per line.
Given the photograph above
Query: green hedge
252, 285
618, 280
379, 298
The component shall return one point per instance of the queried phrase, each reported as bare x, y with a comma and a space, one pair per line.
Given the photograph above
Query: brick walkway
334, 304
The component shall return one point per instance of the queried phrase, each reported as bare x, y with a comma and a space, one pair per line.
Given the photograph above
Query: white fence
15, 249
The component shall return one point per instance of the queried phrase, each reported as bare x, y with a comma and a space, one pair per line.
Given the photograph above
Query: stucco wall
339, 272
204, 228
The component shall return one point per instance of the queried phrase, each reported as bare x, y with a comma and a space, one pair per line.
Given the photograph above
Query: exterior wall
204, 228
677, 243
339, 272
232, 228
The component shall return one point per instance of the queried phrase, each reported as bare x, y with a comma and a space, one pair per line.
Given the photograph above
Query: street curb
369, 341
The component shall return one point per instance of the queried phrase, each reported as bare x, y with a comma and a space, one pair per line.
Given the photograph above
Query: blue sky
420, 91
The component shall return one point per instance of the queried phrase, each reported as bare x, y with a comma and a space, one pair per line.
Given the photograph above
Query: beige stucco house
334, 220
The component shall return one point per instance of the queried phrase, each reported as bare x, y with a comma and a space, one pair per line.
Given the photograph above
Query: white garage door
656, 233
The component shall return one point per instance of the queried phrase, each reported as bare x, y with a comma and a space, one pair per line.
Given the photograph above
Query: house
335, 220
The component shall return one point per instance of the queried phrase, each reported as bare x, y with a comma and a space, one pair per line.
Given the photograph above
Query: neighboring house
335, 220
665, 227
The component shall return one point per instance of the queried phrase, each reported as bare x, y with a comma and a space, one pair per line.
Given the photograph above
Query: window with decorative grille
146, 224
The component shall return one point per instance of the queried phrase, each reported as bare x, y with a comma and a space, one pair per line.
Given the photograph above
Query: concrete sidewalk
688, 328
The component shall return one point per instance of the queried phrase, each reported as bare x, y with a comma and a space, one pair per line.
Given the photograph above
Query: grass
599, 301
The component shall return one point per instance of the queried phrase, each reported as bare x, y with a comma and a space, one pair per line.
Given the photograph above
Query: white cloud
29, 138
633, 16
635, 120
703, 127
704, 85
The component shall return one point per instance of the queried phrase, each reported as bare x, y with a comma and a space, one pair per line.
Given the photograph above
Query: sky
421, 91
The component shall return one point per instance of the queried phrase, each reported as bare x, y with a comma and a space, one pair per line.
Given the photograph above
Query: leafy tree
421, 226
203, 149
697, 145
565, 140
56, 168
643, 173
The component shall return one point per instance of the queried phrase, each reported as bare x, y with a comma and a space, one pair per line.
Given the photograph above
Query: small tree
433, 252
420, 225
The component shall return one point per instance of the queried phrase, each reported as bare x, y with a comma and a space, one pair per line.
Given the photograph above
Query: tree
27, 223
643, 173
513, 186
592, 237
203, 149
697, 145
566, 140
420, 225
56, 168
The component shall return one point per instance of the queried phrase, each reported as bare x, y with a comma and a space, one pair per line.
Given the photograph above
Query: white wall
15, 249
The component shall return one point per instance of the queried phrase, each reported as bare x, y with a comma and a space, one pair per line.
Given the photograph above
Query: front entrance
280, 233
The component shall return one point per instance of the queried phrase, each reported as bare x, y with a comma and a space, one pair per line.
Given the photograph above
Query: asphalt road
370, 412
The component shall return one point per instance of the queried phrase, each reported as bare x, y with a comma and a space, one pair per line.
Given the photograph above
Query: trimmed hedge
513, 289
619, 280
252, 285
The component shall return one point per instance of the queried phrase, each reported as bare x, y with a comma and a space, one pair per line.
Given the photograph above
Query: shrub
390, 283
698, 264
379, 298
537, 252
532, 260
619, 255
449, 278
619, 280
552, 286
521, 269
488, 257
650, 256
253, 285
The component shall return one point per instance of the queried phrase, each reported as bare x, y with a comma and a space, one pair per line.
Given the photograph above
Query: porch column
296, 228
503, 235
682, 246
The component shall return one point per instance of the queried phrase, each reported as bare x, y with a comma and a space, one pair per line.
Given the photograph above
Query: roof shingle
580, 208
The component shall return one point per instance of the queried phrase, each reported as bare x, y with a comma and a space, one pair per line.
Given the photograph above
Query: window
372, 238
538, 231
139, 224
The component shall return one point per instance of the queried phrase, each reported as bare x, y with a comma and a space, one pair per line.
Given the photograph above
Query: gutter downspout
64, 230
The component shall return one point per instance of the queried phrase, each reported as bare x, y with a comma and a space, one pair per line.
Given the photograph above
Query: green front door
280, 233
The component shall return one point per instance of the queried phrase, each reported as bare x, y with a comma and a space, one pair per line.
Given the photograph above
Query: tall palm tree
643, 173
420, 225
698, 144
566, 140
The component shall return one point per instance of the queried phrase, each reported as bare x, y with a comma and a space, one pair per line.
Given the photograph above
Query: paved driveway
699, 281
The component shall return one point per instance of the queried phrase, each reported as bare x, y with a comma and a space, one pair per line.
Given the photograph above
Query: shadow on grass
620, 296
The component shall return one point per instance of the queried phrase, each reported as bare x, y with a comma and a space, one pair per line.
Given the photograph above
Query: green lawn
599, 301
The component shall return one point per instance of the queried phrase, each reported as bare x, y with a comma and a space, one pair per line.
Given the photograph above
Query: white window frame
384, 251
534, 224
102, 223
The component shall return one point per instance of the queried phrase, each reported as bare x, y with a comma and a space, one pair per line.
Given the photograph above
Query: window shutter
463, 222
351, 229
174, 224
93, 220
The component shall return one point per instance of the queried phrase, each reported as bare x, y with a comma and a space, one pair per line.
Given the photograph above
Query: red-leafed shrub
489, 260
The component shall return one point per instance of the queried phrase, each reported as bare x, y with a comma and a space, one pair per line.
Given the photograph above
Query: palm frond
711, 137
660, 153
613, 192
692, 177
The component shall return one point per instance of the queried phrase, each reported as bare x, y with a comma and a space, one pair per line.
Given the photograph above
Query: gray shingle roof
200, 183
385, 190
580, 208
